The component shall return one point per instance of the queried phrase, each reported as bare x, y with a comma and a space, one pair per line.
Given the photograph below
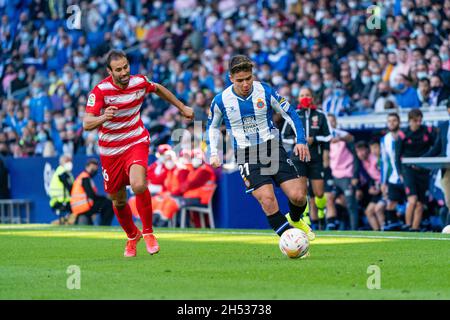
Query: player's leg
138, 183
379, 213
295, 190
394, 196
422, 179
123, 213
320, 201
417, 219
409, 181
331, 215
266, 198
125, 218
410, 209
370, 214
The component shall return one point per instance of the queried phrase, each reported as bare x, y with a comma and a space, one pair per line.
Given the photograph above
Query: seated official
85, 202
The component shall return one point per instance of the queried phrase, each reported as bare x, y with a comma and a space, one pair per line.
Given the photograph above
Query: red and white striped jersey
126, 128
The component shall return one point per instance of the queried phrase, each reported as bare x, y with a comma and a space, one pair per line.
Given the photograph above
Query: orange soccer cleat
151, 243
130, 248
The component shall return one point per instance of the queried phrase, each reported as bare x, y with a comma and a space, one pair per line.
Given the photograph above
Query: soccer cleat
306, 255
151, 243
130, 248
302, 225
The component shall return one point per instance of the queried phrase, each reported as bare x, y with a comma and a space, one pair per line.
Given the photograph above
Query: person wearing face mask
61, 185
19, 82
85, 201
158, 170
439, 95
318, 136
406, 95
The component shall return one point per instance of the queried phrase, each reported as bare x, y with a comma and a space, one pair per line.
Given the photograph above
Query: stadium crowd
51, 59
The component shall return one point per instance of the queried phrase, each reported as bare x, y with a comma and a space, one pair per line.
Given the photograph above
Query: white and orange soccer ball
294, 243
446, 229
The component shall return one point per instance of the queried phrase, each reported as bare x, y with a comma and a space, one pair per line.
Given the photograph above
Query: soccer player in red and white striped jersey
114, 108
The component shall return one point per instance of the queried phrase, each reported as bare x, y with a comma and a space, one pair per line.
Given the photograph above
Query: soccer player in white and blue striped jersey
247, 107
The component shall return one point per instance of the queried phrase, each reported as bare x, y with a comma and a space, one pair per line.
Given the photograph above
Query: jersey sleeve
282, 106
150, 85
212, 129
95, 102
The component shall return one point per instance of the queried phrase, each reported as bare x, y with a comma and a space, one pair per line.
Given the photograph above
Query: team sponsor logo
249, 124
91, 100
260, 103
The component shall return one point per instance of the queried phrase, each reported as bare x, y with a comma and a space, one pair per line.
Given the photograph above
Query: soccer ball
294, 243
446, 229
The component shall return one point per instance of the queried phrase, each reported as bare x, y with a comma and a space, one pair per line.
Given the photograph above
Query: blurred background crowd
51, 59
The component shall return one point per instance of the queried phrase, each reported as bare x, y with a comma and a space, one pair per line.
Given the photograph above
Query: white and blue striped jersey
249, 121
389, 170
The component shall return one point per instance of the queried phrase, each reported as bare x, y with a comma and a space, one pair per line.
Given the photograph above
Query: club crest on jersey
315, 121
91, 100
260, 103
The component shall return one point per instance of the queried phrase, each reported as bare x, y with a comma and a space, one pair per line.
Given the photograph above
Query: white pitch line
249, 233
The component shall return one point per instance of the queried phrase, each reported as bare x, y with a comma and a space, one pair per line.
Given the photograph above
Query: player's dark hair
114, 55
394, 114
414, 114
91, 161
240, 63
361, 144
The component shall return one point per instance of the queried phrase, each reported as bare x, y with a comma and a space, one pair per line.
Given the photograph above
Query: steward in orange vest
84, 200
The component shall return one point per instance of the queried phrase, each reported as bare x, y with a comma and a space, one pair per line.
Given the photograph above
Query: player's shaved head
240, 63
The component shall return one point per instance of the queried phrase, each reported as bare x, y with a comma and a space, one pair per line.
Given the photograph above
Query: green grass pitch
222, 264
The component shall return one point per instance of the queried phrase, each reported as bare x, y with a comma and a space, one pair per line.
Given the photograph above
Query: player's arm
281, 105
93, 117
91, 121
324, 136
213, 133
384, 163
287, 134
168, 96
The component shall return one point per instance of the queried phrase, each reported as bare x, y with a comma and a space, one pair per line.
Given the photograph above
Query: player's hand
310, 140
355, 182
214, 161
187, 112
110, 112
302, 151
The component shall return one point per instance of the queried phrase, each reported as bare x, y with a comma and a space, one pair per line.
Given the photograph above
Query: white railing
431, 116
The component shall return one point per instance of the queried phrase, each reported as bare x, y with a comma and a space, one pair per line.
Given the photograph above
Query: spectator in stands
384, 95
406, 95
85, 202
439, 95
61, 185
436, 68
